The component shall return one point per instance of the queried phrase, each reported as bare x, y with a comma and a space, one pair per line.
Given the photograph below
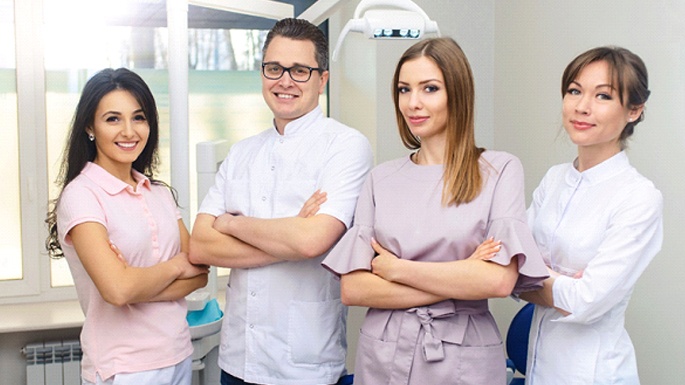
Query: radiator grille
53, 363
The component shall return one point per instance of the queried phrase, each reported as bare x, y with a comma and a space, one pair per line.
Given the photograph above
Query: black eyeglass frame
287, 69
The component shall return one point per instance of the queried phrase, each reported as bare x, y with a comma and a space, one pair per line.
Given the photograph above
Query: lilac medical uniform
453, 341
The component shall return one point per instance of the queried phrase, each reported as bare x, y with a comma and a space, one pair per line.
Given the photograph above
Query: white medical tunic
607, 223
284, 323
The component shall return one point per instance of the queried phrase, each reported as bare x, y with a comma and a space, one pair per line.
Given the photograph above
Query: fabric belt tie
418, 319
432, 347
413, 321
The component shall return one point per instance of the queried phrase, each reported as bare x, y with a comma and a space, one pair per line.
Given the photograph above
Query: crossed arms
243, 242
395, 283
120, 284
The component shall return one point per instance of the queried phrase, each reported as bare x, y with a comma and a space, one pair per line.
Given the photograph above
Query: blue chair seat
517, 340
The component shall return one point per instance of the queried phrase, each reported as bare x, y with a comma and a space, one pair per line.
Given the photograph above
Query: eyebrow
596, 87
140, 110
294, 64
422, 82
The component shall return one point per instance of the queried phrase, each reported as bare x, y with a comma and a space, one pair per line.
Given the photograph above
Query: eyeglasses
298, 73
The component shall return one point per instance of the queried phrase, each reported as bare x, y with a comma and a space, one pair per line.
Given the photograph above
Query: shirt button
252, 293
280, 140
273, 168
263, 199
251, 326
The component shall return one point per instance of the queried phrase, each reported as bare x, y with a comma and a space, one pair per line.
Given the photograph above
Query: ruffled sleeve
508, 223
353, 251
517, 241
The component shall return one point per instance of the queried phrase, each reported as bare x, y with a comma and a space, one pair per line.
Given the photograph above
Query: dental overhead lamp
405, 21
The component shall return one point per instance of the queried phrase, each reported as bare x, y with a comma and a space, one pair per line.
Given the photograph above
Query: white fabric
285, 323
179, 374
607, 223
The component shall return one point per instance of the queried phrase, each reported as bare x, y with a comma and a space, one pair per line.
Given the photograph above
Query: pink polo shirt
144, 226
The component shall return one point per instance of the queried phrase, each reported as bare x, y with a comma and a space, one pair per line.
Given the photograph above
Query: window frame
35, 285
33, 179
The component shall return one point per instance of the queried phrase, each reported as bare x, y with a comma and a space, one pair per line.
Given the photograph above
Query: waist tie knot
432, 346
420, 319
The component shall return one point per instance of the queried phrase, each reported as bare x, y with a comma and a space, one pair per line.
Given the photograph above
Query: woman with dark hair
132, 294
418, 220
598, 224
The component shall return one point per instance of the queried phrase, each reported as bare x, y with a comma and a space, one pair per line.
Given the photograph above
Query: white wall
518, 50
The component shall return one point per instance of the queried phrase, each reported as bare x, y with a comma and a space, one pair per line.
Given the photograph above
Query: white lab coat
284, 322
607, 223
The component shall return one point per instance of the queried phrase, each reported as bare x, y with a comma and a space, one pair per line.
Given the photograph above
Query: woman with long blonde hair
419, 219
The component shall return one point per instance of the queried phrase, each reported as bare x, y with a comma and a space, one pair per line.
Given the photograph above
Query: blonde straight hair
462, 180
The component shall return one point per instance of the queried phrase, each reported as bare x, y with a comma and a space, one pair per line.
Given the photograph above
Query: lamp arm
351, 25
400, 4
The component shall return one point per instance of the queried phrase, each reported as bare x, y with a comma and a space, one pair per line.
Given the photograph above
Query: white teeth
127, 145
285, 96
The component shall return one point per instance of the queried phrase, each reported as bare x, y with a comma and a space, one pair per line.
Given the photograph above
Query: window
11, 263
67, 48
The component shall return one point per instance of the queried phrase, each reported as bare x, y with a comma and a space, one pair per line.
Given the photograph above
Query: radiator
53, 363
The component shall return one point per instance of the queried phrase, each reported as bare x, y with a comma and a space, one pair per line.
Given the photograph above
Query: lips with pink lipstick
417, 119
578, 125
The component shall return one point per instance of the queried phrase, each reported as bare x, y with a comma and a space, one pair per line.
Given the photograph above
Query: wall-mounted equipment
388, 19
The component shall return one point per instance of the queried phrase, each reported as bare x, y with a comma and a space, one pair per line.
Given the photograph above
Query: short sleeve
353, 251
508, 224
344, 173
77, 204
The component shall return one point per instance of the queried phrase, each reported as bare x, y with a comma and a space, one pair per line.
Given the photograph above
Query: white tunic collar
599, 173
302, 123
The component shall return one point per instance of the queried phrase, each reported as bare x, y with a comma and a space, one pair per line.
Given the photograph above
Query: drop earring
91, 137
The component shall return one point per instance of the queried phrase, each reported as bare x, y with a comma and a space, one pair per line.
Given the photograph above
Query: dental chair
517, 343
204, 313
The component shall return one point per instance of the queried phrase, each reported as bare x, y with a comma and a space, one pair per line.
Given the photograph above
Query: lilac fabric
401, 206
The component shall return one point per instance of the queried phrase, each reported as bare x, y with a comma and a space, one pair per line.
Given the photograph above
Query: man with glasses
281, 200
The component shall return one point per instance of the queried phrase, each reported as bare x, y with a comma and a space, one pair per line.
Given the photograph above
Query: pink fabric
143, 224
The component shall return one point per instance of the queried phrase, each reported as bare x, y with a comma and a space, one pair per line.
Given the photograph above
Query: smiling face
422, 99
121, 132
287, 99
593, 114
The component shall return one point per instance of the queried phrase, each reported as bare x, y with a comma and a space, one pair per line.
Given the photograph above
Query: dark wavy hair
79, 150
